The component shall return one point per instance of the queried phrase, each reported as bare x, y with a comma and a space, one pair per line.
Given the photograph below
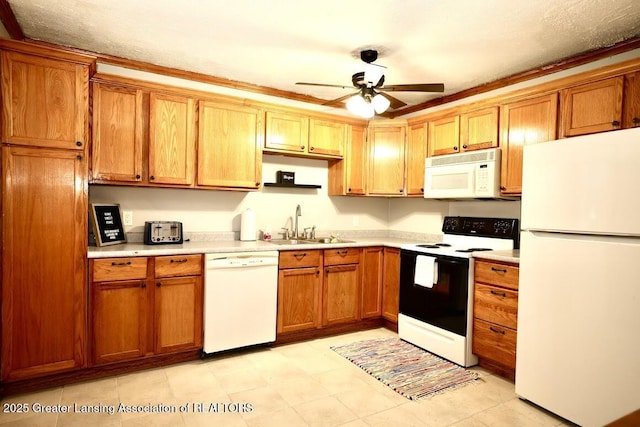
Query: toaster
162, 232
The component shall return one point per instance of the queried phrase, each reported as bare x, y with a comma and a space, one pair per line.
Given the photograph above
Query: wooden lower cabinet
495, 316
341, 286
391, 284
143, 306
371, 296
298, 299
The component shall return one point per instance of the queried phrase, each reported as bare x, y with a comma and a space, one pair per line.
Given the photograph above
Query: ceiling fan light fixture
380, 103
360, 106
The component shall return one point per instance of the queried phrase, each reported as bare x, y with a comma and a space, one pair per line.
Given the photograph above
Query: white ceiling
276, 43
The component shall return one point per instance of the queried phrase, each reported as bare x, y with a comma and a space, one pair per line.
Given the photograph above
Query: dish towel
426, 271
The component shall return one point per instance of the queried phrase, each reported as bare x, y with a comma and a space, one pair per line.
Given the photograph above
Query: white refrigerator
578, 346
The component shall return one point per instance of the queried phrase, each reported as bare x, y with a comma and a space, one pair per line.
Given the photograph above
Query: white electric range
436, 284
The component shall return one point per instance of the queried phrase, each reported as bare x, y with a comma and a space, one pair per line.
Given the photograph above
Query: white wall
214, 211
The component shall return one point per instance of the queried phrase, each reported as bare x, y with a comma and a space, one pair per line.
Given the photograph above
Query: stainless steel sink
326, 241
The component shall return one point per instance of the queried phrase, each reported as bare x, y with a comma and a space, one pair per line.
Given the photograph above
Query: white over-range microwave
472, 175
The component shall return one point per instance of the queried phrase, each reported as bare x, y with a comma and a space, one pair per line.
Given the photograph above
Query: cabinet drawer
495, 343
295, 259
340, 256
180, 265
112, 269
496, 305
497, 274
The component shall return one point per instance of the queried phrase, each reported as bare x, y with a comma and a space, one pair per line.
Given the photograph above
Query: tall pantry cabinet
45, 128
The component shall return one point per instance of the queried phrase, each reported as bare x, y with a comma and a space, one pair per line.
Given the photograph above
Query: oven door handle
446, 261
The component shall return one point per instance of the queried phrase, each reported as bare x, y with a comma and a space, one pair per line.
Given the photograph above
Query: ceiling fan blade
324, 85
395, 102
426, 87
337, 102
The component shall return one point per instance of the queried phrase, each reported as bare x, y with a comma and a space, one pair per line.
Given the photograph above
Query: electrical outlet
127, 217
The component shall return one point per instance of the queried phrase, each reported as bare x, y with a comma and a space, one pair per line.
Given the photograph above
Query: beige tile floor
301, 384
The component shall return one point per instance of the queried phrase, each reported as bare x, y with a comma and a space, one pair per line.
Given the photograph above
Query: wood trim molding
564, 64
544, 70
9, 21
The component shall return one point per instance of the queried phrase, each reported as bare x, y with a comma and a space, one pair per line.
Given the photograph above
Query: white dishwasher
240, 299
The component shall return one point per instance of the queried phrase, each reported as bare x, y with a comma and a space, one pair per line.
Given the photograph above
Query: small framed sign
107, 224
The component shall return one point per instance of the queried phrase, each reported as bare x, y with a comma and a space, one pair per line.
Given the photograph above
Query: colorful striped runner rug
407, 369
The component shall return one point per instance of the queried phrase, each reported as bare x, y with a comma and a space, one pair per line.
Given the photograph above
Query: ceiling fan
371, 96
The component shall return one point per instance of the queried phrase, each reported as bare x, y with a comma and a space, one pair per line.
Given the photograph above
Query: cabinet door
178, 314
631, 106
371, 303
298, 299
592, 107
327, 137
44, 261
117, 134
386, 160
391, 284
45, 102
286, 132
171, 139
444, 136
416, 155
347, 177
229, 145
524, 122
479, 129
118, 320
341, 296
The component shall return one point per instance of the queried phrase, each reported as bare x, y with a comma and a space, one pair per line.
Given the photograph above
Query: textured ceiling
462, 43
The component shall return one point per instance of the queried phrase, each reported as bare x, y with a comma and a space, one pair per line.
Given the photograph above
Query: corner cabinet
348, 176
229, 145
45, 126
529, 121
416, 157
386, 158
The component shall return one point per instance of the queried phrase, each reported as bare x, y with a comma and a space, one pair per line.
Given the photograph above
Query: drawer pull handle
497, 331
343, 252
143, 285
499, 270
178, 261
120, 264
300, 256
502, 294
159, 284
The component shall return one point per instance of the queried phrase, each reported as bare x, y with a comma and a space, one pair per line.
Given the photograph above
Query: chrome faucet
298, 214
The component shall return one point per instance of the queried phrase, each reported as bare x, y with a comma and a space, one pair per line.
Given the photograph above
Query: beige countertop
140, 249
504, 255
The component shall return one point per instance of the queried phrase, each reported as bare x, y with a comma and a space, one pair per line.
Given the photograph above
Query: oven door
445, 304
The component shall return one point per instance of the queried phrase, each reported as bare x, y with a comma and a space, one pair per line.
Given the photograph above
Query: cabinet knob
327, 271
455, 148
464, 146
349, 190
502, 188
422, 190
257, 184
302, 147
152, 177
635, 120
401, 190
310, 148
138, 176
79, 157
79, 144
615, 123
158, 284
143, 285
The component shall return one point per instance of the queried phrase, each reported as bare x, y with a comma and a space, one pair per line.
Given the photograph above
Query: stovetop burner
444, 245
473, 249
429, 246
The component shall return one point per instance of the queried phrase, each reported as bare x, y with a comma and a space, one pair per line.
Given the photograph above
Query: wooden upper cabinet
524, 122
479, 129
286, 132
327, 137
118, 134
592, 107
348, 176
44, 256
229, 145
45, 102
416, 155
172, 142
631, 102
386, 160
444, 136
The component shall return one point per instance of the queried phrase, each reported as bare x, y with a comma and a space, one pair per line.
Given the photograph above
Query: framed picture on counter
106, 223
